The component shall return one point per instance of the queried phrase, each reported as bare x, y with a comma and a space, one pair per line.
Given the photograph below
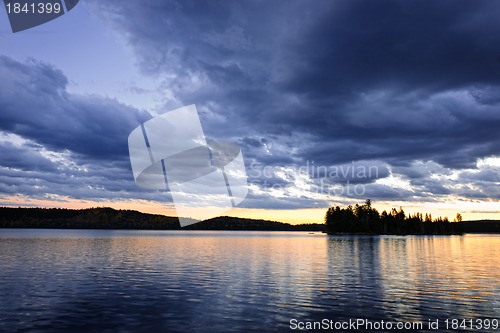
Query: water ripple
133, 281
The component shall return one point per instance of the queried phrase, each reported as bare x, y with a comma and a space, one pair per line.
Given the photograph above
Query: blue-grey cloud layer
71, 145
409, 86
396, 80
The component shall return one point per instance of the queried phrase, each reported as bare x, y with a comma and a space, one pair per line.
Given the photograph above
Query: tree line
364, 219
91, 218
108, 218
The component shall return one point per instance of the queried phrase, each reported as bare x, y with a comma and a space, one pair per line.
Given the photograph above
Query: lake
223, 281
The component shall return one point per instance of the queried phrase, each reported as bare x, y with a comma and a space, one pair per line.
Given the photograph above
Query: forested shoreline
364, 219
358, 219
109, 218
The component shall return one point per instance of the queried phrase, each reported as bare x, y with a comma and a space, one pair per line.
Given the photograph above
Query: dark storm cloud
363, 71
412, 87
408, 45
34, 104
330, 81
58, 143
29, 169
25, 158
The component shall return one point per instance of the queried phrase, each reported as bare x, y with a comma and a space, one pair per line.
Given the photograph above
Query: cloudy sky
332, 102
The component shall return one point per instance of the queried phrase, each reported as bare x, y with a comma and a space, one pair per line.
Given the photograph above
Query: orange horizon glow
469, 210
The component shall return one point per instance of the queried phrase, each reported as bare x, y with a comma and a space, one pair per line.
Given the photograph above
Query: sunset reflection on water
233, 281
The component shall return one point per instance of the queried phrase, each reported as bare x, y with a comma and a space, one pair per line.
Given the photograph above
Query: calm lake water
221, 281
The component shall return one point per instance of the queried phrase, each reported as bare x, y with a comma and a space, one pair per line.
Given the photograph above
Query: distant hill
109, 218
92, 218
234, 223
481, 226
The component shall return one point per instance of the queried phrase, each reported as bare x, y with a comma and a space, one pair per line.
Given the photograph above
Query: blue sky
316, 93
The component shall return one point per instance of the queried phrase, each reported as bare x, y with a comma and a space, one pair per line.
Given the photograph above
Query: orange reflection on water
463, 268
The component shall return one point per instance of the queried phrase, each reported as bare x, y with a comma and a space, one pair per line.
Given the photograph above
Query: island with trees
364, 219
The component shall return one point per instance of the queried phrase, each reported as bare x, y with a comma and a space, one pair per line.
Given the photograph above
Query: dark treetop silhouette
108, 218
364, 219
351, 220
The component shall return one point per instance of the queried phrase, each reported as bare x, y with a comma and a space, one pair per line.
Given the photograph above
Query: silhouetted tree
366, 219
